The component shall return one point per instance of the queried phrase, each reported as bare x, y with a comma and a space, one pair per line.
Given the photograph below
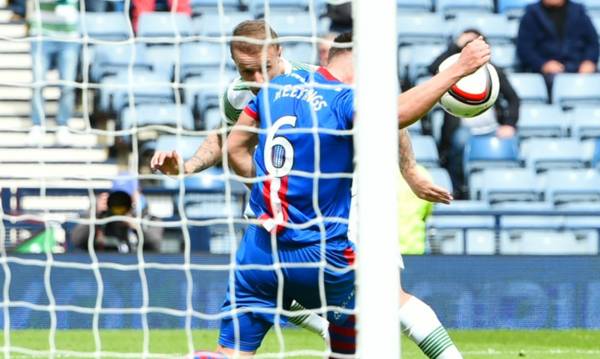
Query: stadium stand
424, 28
534, 195
592, 7
538, 120
513, 8
565, 186
596, 22
585, 122
530, 87
504, 56
212, 118
545, 242
507, 184
163, 59
415, 6
425, 149
498, 29
137, 87
85, 163
197, 58
203, 6
214, 24
106, 26
489, 151
185, 145
523, 206
293, 24
441, 177
203, 92
551, 166
257, 7
474, 234
111, 59
164, 25
418, 58
596, 155
451, 8
302, 52
570, 90
541, 154
172, 115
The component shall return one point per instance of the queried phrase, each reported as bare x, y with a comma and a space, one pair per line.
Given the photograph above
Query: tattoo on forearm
196, 163
405, 152
208, 155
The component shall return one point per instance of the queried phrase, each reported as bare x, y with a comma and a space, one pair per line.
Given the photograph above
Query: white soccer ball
473, 94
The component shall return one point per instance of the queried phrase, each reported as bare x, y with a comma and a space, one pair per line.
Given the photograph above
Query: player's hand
167, 162
474, 55
427, 190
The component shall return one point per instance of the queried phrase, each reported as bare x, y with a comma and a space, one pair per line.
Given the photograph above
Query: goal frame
376, 141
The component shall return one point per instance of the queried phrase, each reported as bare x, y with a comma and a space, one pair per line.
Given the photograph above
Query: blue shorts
257, 289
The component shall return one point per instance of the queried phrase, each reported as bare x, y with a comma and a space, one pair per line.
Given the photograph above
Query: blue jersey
289, 151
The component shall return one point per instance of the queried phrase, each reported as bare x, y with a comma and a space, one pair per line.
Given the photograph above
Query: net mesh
161, 88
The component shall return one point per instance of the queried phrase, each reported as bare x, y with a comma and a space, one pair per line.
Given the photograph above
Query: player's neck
342, 69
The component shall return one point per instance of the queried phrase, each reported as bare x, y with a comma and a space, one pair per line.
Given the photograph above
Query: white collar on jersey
287, 66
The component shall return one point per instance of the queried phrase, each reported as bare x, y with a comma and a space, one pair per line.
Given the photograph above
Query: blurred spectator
58, 22
324, 48
124, 199
412, 215
104, 5
142, 6
456, 132
557, 36
341, 17
18, 8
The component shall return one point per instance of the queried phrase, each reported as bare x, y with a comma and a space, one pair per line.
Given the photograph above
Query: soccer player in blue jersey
296, 224
249, 59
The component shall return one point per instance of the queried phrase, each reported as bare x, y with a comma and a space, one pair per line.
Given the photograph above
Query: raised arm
240, 146
207, 155
416, 102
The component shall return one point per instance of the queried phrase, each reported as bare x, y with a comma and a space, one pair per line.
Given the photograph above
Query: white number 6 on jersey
279, 152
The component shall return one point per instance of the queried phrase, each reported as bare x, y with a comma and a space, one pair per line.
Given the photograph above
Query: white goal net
104, 258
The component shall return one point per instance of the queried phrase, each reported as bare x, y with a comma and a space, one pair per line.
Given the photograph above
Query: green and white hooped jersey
238, 94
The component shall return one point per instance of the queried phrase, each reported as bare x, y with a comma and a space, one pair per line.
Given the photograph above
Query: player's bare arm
207, 155
416, 102
419, 184
240, 145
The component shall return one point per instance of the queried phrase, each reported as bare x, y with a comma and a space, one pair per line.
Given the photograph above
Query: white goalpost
376, 142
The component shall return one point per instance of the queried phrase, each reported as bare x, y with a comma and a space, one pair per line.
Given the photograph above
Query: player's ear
279, 50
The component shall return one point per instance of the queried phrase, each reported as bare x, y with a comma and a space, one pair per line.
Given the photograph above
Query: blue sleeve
251, 108
345, 108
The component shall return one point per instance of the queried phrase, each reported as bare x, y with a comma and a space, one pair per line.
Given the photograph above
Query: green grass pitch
496, 344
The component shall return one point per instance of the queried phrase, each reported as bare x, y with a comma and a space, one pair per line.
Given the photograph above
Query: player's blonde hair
256, 29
